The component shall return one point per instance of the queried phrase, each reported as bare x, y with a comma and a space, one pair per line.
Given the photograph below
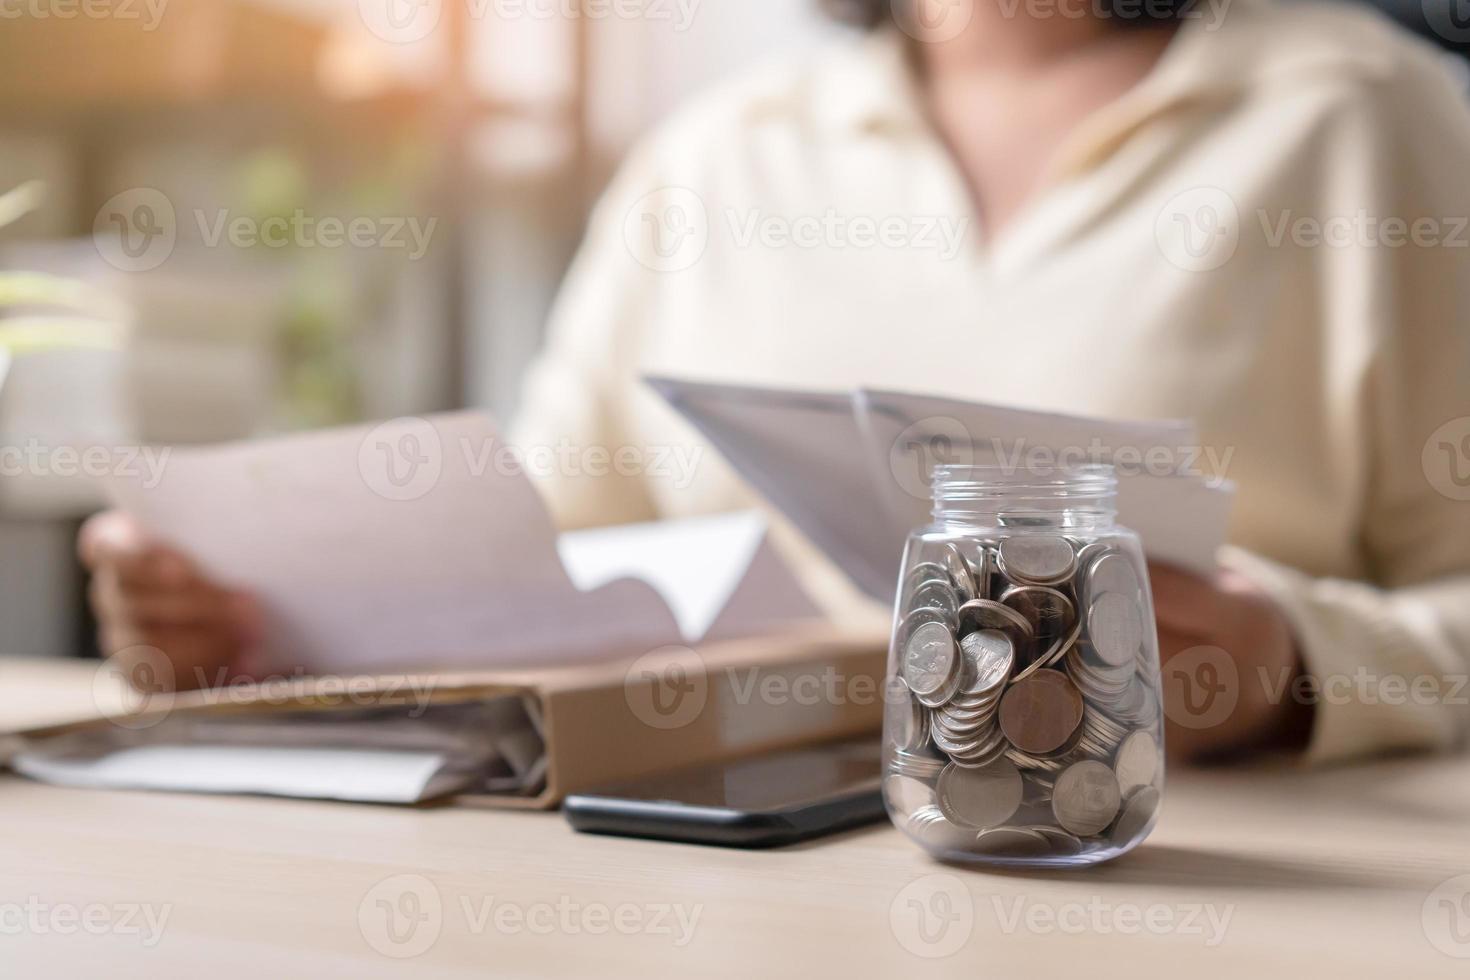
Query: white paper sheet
852, 469
414, 544
1180, 515
698, 566
358, 775
806, 453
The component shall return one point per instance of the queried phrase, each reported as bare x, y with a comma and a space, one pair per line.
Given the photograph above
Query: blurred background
233, 217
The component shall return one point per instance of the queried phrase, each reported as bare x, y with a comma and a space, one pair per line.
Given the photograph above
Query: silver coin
1137, 705
1013, 842
1105, 728
938, 699
924, 571
1137, 762
1115, 629
959, 744
987, 614
1049, 612
1137, 814
973, 707
1086, 798
908, 721
1037, 559
1148, 660
1099, 697
934, 831
959, 731
936, 594
1099, 684
921, 756
981, 569
984, 753
968, 719
1088, 553
989, 656
921, 767
1111, 571
964, 714
962, 726
929, 659
1062, 841
982, 759
915, 618
907, 794
1035, 788
979, 798
1031, 763
958, 570
1091, 748
1050, 658
963, 741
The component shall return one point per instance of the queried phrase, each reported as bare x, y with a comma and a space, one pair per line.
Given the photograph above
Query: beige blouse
1268, 235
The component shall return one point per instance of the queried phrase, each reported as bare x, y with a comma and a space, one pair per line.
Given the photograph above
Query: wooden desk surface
1250, 873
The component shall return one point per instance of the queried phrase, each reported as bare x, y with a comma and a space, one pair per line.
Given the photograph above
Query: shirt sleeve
1390, 656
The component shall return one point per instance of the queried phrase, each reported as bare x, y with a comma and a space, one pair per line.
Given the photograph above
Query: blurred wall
636, 72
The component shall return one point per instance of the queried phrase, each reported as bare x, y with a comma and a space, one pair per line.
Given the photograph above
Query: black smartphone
763, 801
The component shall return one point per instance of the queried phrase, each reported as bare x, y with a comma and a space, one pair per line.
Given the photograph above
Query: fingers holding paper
147, 596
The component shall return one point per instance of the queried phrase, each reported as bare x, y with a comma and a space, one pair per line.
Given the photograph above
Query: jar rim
1089, 479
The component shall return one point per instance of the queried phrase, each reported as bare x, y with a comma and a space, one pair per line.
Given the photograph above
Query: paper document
852, 470
719, 575
804, 452
408, 752
357, 775
418, 543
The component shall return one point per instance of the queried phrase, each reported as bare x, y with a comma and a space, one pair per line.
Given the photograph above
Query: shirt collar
868, 85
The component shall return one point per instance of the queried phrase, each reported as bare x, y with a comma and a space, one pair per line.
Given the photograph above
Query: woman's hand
150, 597
1230, 664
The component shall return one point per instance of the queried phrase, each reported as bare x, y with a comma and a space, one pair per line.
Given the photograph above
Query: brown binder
566, 728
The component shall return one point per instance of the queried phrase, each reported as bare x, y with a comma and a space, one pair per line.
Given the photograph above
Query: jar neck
1082, 498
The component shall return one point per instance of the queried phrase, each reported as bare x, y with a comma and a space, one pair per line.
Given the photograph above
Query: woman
1243, 214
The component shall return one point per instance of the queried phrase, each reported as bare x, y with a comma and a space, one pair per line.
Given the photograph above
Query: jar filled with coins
1023, 721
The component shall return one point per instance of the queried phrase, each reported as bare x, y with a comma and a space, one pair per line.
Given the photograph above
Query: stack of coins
1023, 717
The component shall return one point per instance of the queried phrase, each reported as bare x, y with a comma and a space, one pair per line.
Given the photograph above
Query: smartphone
763, 801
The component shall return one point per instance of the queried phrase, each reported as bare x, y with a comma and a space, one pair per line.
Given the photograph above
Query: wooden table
1262, 873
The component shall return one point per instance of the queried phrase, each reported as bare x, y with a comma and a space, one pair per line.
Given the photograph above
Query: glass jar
1023, 723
